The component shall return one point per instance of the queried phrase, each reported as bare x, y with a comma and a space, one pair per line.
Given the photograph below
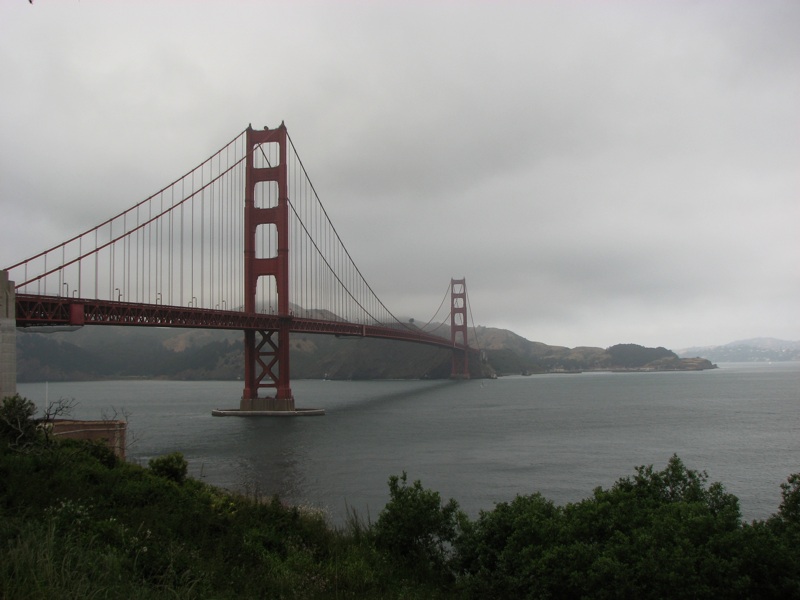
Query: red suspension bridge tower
458, 329
267, 358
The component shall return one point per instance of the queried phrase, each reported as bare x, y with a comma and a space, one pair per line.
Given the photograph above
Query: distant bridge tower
458, 328
267, 359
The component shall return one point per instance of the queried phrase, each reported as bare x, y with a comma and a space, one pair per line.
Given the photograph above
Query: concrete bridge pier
8, 337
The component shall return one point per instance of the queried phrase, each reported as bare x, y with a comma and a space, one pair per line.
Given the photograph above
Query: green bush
416, 529
500, 555
789, 510
97, 449
75, 524
171, 466
659, 534
17, 425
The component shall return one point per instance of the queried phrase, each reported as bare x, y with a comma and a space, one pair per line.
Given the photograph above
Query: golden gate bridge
241, 241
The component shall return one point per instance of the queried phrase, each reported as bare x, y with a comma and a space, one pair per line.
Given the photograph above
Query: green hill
127, 352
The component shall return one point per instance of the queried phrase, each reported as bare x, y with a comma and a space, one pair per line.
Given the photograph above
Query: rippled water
479, 442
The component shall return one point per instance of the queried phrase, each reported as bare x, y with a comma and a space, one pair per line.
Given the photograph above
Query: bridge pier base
266, 409
269, 404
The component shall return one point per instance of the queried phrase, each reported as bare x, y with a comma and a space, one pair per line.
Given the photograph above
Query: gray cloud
600, 172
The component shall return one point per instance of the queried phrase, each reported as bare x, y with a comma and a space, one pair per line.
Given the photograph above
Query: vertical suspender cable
202, 235
191, 234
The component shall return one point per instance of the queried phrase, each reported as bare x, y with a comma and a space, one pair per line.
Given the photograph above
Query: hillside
509, 353
127, 352
751, 350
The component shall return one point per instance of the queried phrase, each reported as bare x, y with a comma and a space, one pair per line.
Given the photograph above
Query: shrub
415, 527
17, 425
789, 510
170, 466
657, 534
501, 553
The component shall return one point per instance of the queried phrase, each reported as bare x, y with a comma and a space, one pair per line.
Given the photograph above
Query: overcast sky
600, 172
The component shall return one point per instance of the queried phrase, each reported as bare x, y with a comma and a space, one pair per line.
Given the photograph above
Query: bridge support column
8, 335
458, 329
269, 355
266, 352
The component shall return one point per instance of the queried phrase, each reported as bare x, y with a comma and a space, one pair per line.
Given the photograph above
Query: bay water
480, 441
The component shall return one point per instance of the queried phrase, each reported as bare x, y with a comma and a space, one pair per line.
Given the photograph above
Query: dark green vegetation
120, 352
509, 353
75, 522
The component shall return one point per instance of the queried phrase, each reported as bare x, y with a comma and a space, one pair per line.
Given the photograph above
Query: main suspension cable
471, 318
341, 243
447, 289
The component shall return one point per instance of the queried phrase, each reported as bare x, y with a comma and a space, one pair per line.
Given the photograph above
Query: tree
17, 425
657, 534
416, 528
170, 466
789, 511
501, 554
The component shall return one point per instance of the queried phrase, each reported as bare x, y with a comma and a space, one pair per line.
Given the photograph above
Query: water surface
480, 442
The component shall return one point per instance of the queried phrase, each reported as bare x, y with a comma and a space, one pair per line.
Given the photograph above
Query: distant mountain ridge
509, 353
762, 349
110, 352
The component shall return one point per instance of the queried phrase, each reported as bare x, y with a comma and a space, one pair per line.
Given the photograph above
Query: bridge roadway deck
35, 310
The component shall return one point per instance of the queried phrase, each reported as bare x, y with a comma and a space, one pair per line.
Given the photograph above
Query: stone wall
8, 334
111, 433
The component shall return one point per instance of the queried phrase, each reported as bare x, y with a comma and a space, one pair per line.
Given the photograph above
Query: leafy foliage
789, 511
416, 528
76, 523
657, 534
17, 427
172, 466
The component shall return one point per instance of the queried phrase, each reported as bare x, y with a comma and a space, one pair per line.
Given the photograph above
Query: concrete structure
259, 412
111, 433
8, 338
